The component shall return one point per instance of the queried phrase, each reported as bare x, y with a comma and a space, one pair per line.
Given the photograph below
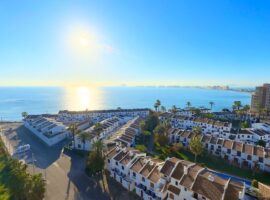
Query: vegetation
211, 103
73, 128
174, 109
188, 104
196, 146
237, 105
163, 109
98, 128
245, 124
255, 183
24, 114
141, 147
95, 161
15, 182
261, 143
157, 105
84, 137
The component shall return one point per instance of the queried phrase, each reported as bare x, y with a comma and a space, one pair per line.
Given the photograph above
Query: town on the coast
143, 153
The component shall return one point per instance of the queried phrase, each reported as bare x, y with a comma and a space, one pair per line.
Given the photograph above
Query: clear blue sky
182, 42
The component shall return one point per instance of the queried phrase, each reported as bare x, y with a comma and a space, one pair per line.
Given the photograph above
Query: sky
153, 42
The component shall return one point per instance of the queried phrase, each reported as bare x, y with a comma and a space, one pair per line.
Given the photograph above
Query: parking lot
63, 171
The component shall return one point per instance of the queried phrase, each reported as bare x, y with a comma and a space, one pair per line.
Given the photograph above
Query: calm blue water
35, 100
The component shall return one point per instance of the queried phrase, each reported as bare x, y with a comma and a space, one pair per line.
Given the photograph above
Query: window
116, 163
185, 189
109, 161
238, 153
176, 183
143, 179
134, 174
152, 185
123, 168
195, 195
249, 157
203, 198
228, 151
261, 159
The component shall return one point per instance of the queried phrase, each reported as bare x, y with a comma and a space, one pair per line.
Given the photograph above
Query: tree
176, 147
95, 163
261, 143
255, 183
237, 105
211, 103
73, 128
163, 108
24, 115
160, 129
157, 104
150, 123
161, 139
196, 146
197, 130
98, 146
84, 137
246, 108
174, 109
141, 148
4, 193
98, 128
188, 104
245, 124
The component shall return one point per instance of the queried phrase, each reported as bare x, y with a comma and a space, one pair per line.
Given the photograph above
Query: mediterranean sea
37, 100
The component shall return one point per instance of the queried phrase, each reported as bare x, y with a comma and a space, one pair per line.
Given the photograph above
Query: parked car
23, 148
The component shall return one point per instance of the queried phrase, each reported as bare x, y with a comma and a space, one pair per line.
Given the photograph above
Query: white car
23, 148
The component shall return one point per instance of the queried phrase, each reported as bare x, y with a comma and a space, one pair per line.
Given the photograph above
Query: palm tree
174, 109
197, 130
196, 146
84, 137
99, 146
237, 104
73, 128
211, 103
188, 104
24, 114
98, 128
157, 104
163, 108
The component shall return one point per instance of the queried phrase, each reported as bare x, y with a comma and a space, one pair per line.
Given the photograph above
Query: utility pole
33, 163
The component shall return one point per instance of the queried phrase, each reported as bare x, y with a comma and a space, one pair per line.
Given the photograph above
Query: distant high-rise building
261, 98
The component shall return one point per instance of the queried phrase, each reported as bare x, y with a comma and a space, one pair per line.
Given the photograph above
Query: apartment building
237, 153
172, 179
261, 98
108, 127
47, 128
99, 115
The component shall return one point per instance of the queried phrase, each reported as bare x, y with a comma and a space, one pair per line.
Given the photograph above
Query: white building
108, 127
46, 128
173, 179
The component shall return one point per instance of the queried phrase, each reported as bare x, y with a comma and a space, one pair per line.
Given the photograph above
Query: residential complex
236, 152
171, 179
47, 128
261, 98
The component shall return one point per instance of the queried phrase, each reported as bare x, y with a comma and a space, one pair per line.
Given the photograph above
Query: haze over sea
37, 100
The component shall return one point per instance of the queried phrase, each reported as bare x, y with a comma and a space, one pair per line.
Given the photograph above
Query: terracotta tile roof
155, 175
112, 153
120, 156
138, 165
258, 151
174, 189
168, 166
228, 144
189, 178
267, 153
248, 149
233, 190
220, 141
206, 138
147, 168
211, 189
185, 134
178, 172
238, 146
213, 140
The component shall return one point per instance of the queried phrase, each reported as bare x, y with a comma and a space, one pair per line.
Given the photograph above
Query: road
64, 172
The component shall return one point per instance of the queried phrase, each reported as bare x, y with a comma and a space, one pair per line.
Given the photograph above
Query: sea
41, 100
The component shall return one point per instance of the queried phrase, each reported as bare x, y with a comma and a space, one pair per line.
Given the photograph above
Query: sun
83, 41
